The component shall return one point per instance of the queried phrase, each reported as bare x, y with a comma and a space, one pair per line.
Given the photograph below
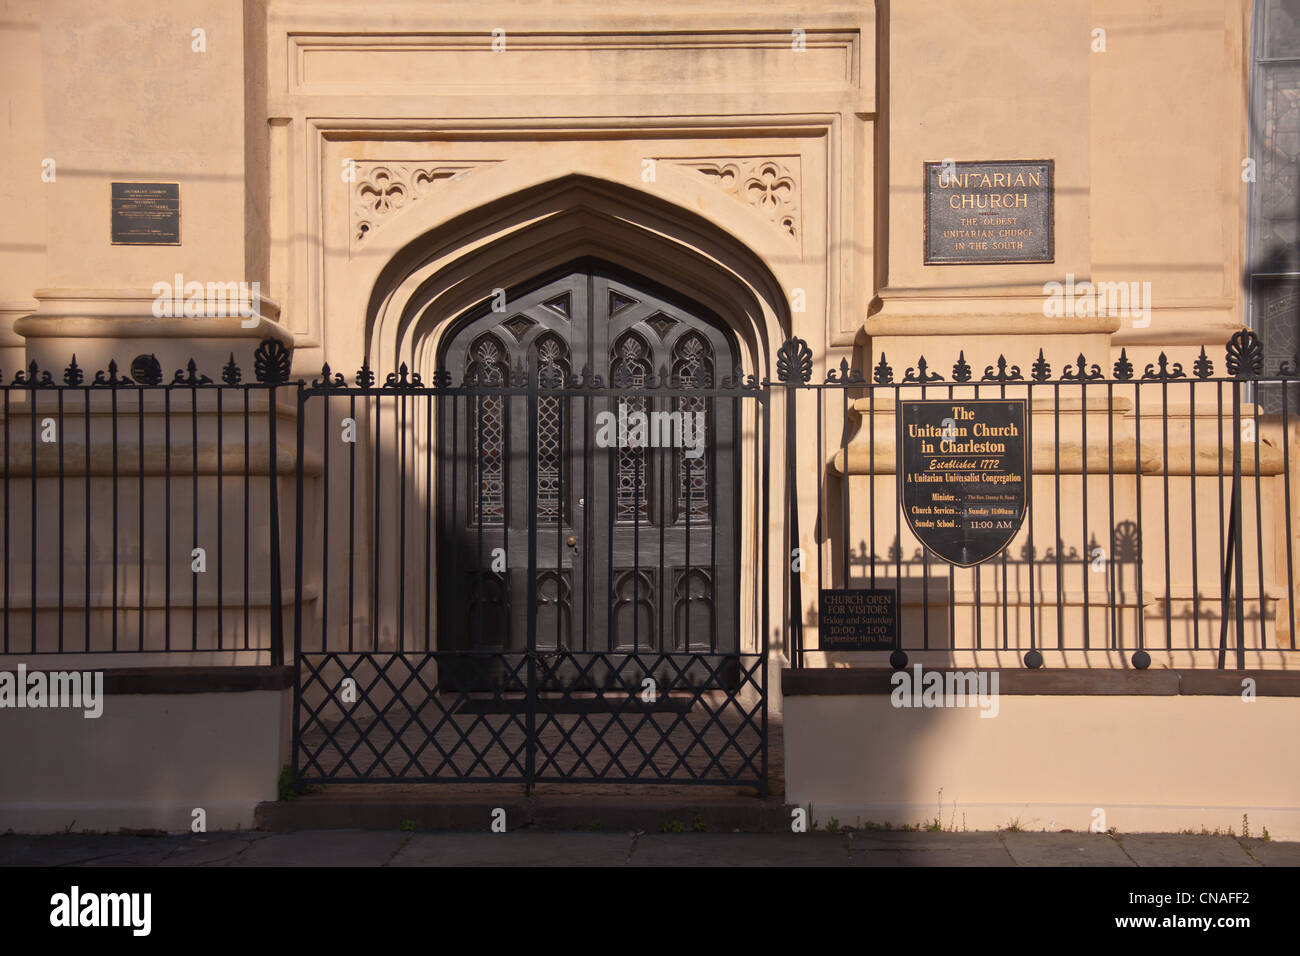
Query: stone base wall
1150, 751
168, 741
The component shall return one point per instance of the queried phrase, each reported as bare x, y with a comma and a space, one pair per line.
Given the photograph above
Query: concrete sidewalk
574, 848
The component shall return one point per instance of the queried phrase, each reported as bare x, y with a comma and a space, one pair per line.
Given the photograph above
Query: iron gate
384, 693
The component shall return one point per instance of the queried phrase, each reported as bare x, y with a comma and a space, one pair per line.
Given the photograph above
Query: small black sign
857, 619
963, 471
990, 212
146, 214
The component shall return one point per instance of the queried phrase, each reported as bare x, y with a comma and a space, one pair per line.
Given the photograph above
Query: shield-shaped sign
963, 471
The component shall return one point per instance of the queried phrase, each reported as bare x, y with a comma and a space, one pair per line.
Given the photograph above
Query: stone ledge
188, 680
434, 808
1228, 682
830, 681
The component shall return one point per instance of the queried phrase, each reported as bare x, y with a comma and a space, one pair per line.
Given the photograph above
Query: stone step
430, 807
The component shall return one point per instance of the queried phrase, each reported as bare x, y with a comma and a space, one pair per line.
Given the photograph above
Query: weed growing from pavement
286, 788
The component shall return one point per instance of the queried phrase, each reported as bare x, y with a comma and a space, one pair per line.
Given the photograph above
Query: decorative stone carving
383, 188
771, 185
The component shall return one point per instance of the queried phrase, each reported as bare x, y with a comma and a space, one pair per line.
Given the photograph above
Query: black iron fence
498, 579
512, 589
1157, 511
141, 515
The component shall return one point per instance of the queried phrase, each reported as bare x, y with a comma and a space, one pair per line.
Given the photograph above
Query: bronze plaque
963, 471
986, 212
857, 619
146, 214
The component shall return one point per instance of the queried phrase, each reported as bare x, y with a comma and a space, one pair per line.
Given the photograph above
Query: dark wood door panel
588, 553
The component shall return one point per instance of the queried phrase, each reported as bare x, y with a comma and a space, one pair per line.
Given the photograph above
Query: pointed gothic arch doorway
634, 549
509, 580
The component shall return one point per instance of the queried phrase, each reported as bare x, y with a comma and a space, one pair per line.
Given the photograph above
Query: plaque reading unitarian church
989, 212
146, 214
857, 619
962, 473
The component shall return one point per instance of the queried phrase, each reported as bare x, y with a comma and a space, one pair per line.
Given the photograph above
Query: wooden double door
636, 548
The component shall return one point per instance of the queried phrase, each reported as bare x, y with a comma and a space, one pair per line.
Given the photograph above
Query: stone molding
128, 314
190, 680
772, 185
72, 313
103, 325
1057, 683
383, 189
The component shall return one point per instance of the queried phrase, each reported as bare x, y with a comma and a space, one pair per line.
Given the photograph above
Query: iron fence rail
494, 590
1158, 514
142, 515
1196, 463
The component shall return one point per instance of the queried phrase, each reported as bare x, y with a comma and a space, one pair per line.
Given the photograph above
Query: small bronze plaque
146, 214
979, 213
963, 472
857, 619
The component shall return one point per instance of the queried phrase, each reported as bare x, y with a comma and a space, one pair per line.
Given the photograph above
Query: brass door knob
571, 541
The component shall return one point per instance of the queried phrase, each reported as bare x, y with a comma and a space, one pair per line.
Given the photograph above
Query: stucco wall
1151, 762
147, 762
128, 98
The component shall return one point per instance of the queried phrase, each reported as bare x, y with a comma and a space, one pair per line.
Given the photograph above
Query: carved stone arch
443, 280
458, 264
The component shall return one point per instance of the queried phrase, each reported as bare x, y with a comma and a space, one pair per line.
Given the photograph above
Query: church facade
577, 392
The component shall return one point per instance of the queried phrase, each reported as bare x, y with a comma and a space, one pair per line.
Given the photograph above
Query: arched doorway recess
636, 548
595, 280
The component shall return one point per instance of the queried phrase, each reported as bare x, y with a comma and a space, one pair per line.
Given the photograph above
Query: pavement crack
398, 849
235, 859
172, 852
1003, 840
1246, 849
632, 847
1120, 843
